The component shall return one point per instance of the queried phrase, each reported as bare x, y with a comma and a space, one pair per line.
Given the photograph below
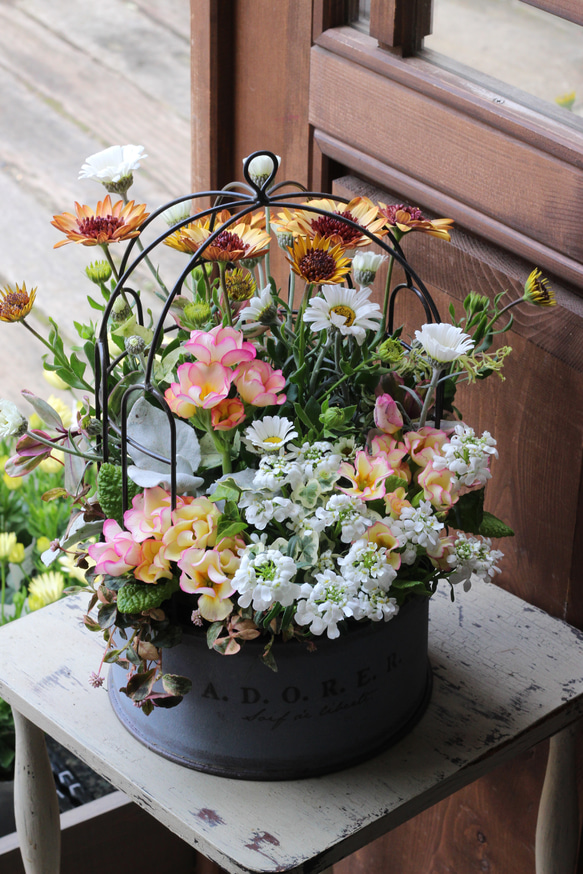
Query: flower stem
63, 361
383, 326
429, 396
226, 303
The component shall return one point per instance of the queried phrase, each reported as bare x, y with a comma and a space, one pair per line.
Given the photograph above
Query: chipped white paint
506, 676
36, 809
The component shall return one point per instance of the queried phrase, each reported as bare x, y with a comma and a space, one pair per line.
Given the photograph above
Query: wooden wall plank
492, 173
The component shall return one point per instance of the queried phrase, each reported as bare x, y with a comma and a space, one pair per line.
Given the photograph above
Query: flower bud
390, 351
98, 272
120, 310
134, 345
365, 266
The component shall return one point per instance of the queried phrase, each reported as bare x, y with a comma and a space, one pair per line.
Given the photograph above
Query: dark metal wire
245, 198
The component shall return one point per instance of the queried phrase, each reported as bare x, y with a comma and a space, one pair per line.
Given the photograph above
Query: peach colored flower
441, 552
153, 566
223, 345
424, 444
368, 475
106, 224
204, 575
385, 444
387, 416
199, 385
381, 534
193, 524
118, 554
258, 383
227, 414
438, 487
150, 515
396, 501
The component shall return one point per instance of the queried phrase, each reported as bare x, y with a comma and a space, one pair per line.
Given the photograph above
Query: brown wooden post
400, 24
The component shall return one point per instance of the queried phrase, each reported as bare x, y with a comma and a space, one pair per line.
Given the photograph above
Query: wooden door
353, 113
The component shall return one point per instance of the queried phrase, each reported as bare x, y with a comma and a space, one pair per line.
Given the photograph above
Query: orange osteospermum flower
238, 241
410, 218
106, 224
182, 240
16, 303
318, 260
360, 210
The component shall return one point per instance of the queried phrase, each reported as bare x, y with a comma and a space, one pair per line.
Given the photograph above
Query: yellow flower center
348, 313
273, 439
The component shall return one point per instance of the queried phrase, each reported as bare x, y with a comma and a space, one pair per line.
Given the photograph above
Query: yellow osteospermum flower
12, 482
54, 463
7, 543
63, 409
16, 555
42, 544
55, 380
16, 303
45, 589
538, 291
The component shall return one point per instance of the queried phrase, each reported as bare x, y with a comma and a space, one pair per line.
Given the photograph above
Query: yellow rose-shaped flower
194, 524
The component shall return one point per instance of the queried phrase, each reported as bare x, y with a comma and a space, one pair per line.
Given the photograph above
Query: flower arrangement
274, 462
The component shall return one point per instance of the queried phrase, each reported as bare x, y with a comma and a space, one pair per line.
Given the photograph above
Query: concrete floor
76, 77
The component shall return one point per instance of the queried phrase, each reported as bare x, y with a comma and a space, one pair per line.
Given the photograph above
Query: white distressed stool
506, 676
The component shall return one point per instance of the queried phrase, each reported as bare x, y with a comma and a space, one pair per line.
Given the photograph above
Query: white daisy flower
261, 168
177, 213
113, 164
345, 310
443, 343
260, 311
270, 433
365, 266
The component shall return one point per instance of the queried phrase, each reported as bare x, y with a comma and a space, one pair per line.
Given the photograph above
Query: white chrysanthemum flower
315, 459
473, 560
344, 309
260, 311
467, 456
177, 213
365, 266
12, 422
265, 579
276, 471
112, 164
270, 433
418, 525
260, 509
443, 343
326, 603
366, 564
351, 513
376, 605
261, 168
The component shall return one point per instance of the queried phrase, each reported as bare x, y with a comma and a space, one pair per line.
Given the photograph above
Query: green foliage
136, 597
110, 491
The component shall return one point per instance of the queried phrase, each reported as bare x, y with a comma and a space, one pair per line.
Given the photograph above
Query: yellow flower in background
63, 409
53, 464
45, 589
35, 421
55, 380
16, 303
12, 482
42, 544
567, 101
16, 555
7, 543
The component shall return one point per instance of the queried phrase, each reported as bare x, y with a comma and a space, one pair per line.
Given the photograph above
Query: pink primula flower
424, 444
395, 452
258, 384
203, 574
199, 385
367, 475
438, 487
150, 515
193, 524
387, 416
153, 566
223, 345
118, 554
227, 414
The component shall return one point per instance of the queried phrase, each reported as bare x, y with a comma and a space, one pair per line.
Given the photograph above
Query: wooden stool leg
36, 807
557, 828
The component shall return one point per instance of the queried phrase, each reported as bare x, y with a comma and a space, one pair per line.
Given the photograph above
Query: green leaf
106, 615
136, 597
176, 685
493, 527
468, 512
226, 490
229, 528
109, 484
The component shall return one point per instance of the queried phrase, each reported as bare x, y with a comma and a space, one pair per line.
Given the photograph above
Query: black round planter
320, 712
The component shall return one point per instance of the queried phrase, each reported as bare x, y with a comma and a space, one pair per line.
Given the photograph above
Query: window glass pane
516, 43
360, 14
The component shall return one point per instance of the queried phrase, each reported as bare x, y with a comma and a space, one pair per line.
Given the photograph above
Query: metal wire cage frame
244, 198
